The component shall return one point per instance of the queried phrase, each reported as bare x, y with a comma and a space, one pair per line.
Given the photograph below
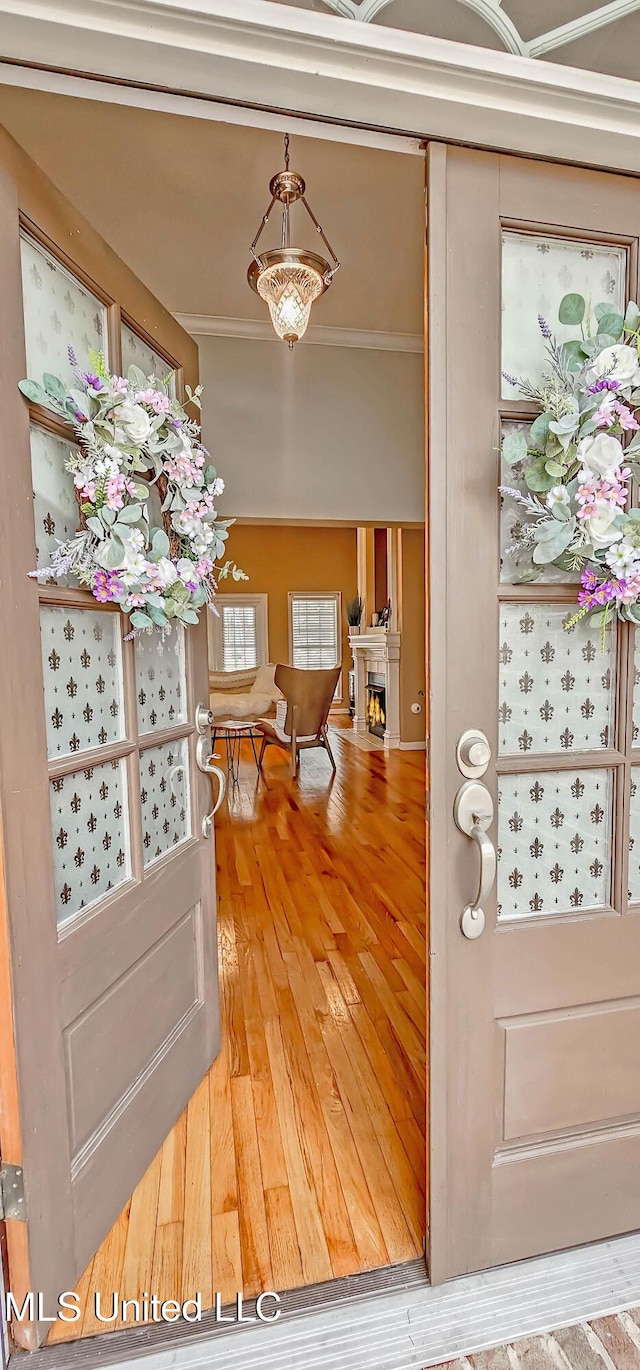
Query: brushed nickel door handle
204, 762
473, 813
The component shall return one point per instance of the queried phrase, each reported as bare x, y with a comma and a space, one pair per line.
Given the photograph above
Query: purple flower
80, 418
93, 381
606, 384
106, 586
512, 380
73, 360
596, 594
544, 327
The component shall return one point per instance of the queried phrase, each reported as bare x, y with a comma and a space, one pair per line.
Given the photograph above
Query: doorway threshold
389, 1319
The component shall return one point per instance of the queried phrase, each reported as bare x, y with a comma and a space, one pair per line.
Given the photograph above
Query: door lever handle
473, 813
204, 762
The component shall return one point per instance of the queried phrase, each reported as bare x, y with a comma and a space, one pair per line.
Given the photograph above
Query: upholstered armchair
301, 717
244, 695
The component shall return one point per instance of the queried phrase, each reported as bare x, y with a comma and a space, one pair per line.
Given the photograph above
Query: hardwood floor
301, 1156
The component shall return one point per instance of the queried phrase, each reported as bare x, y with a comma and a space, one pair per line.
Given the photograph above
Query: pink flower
134, 601
120, 385
106, 586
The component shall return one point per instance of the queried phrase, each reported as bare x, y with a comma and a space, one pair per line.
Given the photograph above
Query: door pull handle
473, 813
204, 762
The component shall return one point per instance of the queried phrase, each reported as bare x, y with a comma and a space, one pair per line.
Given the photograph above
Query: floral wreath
134, 438
572, 467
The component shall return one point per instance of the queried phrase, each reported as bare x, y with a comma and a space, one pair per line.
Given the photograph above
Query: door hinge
12, 1200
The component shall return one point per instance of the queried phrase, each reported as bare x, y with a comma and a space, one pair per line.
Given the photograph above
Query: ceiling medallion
290, 278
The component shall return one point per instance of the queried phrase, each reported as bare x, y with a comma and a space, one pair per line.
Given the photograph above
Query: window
238, 634
314, 631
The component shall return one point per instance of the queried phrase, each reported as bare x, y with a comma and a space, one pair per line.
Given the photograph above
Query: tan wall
278, 559
412, 655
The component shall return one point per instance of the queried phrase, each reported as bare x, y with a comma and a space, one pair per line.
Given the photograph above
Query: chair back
312, 694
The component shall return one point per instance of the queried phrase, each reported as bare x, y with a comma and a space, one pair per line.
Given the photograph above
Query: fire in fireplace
376, 714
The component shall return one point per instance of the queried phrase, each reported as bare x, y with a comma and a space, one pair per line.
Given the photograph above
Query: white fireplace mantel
377, 651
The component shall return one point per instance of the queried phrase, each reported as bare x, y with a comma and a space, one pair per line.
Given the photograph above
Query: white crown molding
283, 58
261, 330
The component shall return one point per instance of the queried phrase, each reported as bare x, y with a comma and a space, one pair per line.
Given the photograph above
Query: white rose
601, 453
599, 526
136, 422
617, 363
186, 570
164, 573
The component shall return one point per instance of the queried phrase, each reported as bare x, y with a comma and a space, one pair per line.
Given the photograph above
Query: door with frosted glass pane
535, 1075
110, 884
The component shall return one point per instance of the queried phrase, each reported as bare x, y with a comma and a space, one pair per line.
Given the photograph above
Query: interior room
301, 1157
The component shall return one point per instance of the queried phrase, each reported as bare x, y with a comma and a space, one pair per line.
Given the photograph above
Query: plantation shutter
239, 637
314, 631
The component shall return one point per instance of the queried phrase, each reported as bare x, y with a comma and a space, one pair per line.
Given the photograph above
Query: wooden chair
308, 696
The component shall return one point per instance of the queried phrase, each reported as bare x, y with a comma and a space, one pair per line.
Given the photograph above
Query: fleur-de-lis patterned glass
137, 352
59, 313
636, 690
554, 840
55, 510
82, 667
89, 830
164, 799
634, 837
556, 688
160, 680
515, 556
536, 273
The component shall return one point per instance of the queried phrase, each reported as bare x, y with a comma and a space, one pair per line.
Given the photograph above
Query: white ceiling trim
283, 58
261, 330
579, 28
493, 15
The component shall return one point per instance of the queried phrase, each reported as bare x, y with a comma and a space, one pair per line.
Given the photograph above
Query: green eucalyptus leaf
538, 478
601, 309
115, 555
137, 378
130, 514
96, 526
53, 385
554, 469
160, 543
189, 616
108, 515
573, 355
34, 393
611, 324
549, 549
158, 616
632, 317
572, 309
514, 446
605, 340
141, 620
210, 474
539, 430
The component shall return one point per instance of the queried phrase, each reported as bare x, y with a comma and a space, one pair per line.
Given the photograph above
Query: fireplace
376, 703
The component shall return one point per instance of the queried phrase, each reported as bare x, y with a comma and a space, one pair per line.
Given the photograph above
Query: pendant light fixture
290, 278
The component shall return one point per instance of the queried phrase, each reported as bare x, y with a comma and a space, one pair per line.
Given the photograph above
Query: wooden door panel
535, 1119
110, 884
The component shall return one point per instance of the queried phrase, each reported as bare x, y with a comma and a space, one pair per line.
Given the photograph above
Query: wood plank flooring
301, 1156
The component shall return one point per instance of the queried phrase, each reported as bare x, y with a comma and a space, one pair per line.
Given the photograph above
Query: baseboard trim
413, 746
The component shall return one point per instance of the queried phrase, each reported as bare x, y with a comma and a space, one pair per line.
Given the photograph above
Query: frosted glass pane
515, 556
160, 680
137, 352
536, 273
634, 837
554, 842
636, 689
82, 668
58, 312
164, 798
556, 688
89, 830
55, 510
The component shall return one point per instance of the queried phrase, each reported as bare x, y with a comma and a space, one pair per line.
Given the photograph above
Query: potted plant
354, 612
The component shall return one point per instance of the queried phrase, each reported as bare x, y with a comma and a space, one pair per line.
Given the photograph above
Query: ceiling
180, 200
596, 36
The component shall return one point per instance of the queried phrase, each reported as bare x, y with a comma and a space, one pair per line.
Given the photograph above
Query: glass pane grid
59, 312
164, 799
161, 693
557, 689
83, 688
90, 835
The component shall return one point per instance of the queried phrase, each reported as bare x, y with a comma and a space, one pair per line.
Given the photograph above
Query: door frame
435, 108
